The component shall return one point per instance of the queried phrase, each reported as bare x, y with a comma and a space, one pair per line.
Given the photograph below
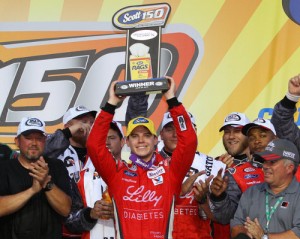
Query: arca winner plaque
143, 24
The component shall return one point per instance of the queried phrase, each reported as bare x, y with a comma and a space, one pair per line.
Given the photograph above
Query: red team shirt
143, 199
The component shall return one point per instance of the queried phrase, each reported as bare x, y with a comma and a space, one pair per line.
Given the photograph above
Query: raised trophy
143, 24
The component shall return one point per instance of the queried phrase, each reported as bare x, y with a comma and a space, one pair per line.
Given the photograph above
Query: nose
231, 135
34, 141
107, 142
141, 139
266, 165
257, 141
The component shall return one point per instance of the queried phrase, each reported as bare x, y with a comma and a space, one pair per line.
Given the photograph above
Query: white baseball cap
119, 127
235, 119
259, 122
77, 111
168, 118
31, 124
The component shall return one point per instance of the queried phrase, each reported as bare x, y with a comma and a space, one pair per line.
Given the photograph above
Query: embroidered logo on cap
34, 122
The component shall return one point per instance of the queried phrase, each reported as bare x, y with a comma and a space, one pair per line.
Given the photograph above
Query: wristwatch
265, 236
48, 186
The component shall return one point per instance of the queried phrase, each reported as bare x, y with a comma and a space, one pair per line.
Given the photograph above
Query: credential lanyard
269, 212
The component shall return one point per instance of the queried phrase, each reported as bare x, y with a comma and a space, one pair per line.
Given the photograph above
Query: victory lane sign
143, 24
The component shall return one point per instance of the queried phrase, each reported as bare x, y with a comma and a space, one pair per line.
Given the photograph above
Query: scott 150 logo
142, 16
46, 76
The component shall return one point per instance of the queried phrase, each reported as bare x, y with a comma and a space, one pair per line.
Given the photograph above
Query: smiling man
143, 190
271, 209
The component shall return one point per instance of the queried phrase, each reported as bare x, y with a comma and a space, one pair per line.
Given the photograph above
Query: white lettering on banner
209, 165
191, 211
143, 215
140, 196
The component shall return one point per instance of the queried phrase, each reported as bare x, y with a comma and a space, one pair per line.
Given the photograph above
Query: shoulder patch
231, 170
181, 122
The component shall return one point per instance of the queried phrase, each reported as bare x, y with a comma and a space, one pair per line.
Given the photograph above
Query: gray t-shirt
285, 218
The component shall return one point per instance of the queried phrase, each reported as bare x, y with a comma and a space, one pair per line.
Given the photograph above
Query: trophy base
142, 87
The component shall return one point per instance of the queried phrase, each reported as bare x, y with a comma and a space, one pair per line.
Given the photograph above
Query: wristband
291, 97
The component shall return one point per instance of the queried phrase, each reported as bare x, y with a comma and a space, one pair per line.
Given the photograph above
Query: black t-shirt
37, 219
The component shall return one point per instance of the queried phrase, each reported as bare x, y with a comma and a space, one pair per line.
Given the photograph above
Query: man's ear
155, 140
17, 141
123, 140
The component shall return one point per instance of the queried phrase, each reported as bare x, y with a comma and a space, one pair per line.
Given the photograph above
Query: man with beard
226, 191
236, 145
33, 190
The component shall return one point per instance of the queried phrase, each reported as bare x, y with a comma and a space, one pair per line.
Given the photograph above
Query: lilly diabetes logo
141, 16
44, 72
292, 9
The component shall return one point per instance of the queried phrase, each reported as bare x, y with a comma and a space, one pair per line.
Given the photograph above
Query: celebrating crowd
75, 183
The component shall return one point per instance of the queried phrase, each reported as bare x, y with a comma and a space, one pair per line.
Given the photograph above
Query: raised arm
96, 144
184, 153
283, 114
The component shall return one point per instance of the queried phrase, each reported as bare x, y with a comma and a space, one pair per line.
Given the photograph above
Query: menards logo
44, 73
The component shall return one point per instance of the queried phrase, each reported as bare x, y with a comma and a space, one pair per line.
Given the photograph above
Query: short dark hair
114, 127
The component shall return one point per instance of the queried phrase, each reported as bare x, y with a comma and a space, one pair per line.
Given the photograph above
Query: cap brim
247, 127
232, 125
169, 123
28, 132
266, 156
86, 113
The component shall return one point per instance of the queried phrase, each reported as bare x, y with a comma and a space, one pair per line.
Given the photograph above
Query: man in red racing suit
143, 190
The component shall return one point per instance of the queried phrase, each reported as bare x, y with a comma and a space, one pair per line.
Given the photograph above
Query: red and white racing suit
144, 199
188, 223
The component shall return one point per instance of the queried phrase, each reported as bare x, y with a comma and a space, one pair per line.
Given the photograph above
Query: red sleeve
96, 146
184, 152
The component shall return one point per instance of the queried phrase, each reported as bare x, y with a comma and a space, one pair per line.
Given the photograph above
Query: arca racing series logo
44, 73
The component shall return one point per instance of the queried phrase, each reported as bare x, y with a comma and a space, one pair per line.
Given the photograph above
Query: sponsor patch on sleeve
181, 122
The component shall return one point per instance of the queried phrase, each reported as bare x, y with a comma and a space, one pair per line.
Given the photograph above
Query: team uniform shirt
286, 215
90, 186
144, 199
242, 175
36, 219
189, 222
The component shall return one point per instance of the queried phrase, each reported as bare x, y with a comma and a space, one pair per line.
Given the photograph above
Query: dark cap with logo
279, 149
